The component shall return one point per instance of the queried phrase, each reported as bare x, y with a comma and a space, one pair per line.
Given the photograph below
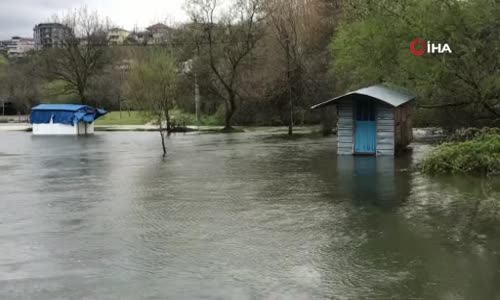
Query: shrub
480, 155
182, 117
467, 134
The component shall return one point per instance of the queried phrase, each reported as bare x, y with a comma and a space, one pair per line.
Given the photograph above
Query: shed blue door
365, 127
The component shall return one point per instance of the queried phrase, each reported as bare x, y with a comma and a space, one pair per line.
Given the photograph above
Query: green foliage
152, 86
54, 92
152, 81
372, 46
182, 117
477, 156
3, 60
3, 76
467, 134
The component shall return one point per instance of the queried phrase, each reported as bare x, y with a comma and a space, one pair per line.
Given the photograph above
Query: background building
117, 36
18, 47
160, 33
156, 34
49, 35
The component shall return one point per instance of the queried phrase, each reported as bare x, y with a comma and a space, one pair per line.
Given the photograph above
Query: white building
117, 36
64, 119
155, 34
160, 33
18, 47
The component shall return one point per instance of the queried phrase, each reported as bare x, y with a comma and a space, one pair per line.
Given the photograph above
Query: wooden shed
373, 121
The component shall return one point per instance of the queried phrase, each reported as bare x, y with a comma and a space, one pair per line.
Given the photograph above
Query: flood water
242, 216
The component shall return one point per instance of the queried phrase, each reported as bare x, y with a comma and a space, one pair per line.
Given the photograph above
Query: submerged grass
480, 155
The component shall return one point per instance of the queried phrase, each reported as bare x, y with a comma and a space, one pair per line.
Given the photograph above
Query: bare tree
284, 19
298, 33
81, 54
20, 85
108, 88
230, 35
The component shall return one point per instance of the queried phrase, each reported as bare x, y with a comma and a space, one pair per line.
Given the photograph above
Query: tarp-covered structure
67, 114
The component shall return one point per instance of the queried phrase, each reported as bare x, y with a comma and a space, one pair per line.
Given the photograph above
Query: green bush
467, 134
480, 155
190, 119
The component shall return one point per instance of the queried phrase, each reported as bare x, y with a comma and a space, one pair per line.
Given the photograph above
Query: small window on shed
365, 110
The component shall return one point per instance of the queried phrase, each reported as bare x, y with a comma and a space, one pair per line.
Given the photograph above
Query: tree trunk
197, 97
162, 134
167, 118
83, 98
230, 109
290, 100
81, 94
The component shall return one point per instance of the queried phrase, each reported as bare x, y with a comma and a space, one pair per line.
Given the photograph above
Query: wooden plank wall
385, 129
403, 126
345, 126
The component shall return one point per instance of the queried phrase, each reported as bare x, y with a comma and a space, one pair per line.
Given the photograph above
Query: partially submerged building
375, 120
64, 119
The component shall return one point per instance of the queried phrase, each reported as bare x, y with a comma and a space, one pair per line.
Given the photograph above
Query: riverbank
420, 134
14, 127
132, 127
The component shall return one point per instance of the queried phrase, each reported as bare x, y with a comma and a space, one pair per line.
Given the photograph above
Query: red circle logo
420, 43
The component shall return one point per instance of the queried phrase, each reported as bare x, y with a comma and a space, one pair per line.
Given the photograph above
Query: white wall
18, 47
62, 129
84, 128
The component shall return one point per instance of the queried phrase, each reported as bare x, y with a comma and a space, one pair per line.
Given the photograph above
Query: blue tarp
69, 114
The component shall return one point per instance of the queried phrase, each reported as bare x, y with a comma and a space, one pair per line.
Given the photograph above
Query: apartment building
49, 35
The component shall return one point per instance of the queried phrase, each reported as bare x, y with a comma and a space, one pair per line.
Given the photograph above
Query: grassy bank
479, 155
125, 118
140, 118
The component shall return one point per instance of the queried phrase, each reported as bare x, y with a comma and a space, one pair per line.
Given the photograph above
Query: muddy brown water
241, 216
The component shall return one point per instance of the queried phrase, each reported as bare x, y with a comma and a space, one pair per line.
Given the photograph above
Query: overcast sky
18, 17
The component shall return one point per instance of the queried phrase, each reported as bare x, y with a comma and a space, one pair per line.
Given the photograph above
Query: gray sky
18, 17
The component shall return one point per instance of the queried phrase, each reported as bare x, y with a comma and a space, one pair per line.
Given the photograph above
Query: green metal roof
379, 92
